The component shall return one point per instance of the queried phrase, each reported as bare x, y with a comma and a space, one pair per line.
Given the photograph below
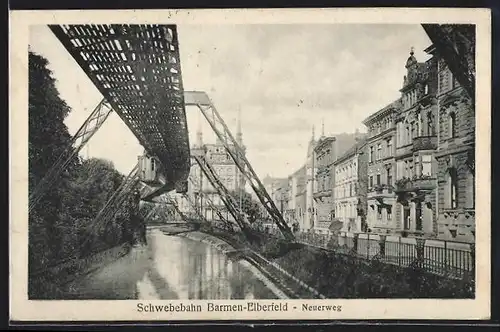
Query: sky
284, 78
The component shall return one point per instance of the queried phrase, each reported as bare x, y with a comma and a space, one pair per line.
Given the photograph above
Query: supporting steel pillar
203, 102
208, 200
82, 136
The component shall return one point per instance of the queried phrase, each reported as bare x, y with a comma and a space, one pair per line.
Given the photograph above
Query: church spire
199, 134
239, 134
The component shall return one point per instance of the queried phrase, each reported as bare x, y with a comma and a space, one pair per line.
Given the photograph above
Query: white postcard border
23, 309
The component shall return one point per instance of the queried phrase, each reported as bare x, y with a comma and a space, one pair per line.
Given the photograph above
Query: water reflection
186, 269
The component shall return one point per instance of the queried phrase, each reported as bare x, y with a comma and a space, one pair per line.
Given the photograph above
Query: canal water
175, 267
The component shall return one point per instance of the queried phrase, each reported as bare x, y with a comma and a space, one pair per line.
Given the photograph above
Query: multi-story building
311, 168
380, 149
324, 152
455, 156
416, 142
350, 189
289, 214
300, 198
226, 170
277, 188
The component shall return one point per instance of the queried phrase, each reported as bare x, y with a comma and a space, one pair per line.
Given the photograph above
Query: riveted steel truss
108, 211
82, 136
221, 190
208, 200
456, 44
203, 102
137, 69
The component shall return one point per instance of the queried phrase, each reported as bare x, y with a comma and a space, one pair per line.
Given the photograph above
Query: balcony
423, 182
405, 150
380, 191
322, 193
425, 143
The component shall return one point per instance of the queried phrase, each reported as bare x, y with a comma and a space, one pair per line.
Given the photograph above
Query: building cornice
391, 108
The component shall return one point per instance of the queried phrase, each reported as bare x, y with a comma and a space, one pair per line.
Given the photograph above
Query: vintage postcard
293, 164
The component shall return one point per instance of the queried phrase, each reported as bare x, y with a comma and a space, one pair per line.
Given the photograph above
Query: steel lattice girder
82, 136
208, 200
224, 194
137, 69
456, 44
203, 102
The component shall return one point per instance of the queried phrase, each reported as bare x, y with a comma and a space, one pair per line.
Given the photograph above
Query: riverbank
333, 274
231, 251
292, 286
50, 283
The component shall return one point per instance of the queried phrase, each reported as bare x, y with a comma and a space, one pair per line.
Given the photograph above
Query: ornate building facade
350, 188
416, 143
380, 149
455, 157
226, 170
325, 155
310, 216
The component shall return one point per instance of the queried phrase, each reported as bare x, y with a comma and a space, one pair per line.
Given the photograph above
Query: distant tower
322, 128
199, 134
239, 134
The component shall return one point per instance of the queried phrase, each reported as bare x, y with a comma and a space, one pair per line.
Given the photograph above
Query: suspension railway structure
137, 70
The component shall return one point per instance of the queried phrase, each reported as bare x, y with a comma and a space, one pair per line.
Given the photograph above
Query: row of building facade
411, 174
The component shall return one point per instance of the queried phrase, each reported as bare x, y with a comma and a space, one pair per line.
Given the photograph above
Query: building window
417, 124
378, 179
451, 80
452, 125
430, 124
371, 181
389, 176
426, 165
379, 151
389, 148
426, 89
389, 212
371, 153
408, 137
379, 212
452, 183
471, 194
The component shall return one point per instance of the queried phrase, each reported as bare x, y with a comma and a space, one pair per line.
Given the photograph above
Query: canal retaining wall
289, 285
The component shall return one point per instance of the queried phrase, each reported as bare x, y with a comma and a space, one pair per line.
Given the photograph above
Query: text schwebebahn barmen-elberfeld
250, 306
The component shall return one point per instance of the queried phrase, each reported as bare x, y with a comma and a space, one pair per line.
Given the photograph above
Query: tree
64, 220
48, 138
250, 207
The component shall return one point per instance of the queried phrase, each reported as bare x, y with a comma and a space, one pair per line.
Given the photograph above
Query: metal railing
450, 259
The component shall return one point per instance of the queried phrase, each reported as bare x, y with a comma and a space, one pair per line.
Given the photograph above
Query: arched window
452, 125
408, 137
452, 188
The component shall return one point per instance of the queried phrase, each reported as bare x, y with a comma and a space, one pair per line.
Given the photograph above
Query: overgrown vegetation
337, 275
62, 225
341, 276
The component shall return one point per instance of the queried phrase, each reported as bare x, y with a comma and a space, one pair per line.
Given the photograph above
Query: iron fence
446, 258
